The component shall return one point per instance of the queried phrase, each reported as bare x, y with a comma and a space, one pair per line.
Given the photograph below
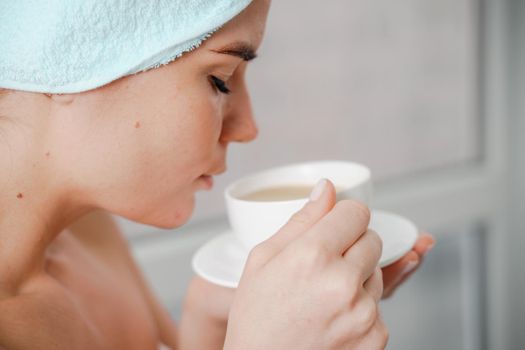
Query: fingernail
318, 190
409, 267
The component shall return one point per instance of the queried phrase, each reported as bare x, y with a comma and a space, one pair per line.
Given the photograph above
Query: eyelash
220, 84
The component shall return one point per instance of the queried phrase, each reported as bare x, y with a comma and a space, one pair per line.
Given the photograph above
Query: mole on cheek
137, 125
19, 195
48, 154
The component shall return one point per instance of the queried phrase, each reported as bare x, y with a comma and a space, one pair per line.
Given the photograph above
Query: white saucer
221, 260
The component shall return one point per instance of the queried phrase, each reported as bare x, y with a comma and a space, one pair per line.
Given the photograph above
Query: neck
36, 204
31, 217
28, 225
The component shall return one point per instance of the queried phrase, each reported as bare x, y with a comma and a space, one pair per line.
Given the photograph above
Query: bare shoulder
89, 296
45, 313
99, 232
45, 317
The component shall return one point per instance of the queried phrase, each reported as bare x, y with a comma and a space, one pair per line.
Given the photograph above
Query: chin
163, 213
176, 217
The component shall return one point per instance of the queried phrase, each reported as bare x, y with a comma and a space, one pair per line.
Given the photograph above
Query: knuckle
258, 255
301, 217
353, 295
311, 253
353, 288
380, 285
384, 334
334, 226
355, 210
338, 290
376, 241
361, 210
376, 238
333, 286
367, 315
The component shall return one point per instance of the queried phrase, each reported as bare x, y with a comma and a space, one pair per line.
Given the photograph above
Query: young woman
140, 147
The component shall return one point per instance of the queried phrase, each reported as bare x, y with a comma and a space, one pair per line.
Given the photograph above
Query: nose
239, 123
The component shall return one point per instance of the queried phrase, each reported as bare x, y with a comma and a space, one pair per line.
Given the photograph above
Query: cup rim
249, 177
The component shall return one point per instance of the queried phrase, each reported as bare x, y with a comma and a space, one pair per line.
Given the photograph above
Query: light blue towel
66, 46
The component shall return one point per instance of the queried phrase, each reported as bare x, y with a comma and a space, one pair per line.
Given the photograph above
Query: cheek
145, 158
169, 163
180, 137
173, 149
197, 131
150, 177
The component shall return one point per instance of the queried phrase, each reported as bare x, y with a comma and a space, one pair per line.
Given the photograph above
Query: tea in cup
258, 205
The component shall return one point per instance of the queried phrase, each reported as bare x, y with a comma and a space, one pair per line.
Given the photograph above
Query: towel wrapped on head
67, 46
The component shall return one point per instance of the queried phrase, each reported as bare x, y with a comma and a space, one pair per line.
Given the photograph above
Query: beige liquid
281, 193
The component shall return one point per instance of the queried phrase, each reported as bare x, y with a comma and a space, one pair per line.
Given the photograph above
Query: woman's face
138, 146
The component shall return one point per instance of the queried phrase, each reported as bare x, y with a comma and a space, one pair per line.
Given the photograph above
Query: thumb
322, 200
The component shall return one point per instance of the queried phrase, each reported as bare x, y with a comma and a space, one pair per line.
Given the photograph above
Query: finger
408, 274
365, 253
425, 242
306, 217
341, 227
422, 247
374, 285
393, 272
396, 274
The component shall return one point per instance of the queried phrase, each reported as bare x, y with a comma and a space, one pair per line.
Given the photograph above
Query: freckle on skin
48, 154
137, 125
19, 195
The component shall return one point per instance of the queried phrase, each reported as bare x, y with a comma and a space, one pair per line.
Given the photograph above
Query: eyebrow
239, 49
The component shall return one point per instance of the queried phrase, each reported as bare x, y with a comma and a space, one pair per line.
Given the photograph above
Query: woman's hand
394, 275
313, 285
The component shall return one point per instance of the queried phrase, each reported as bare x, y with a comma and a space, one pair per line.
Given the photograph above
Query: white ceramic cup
255, 221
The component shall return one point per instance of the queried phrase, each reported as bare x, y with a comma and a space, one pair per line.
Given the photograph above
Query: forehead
247, 27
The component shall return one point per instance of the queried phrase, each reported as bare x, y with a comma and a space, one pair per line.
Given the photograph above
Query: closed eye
220, 84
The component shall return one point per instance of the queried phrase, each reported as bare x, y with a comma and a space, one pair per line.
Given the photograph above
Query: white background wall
517, 172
